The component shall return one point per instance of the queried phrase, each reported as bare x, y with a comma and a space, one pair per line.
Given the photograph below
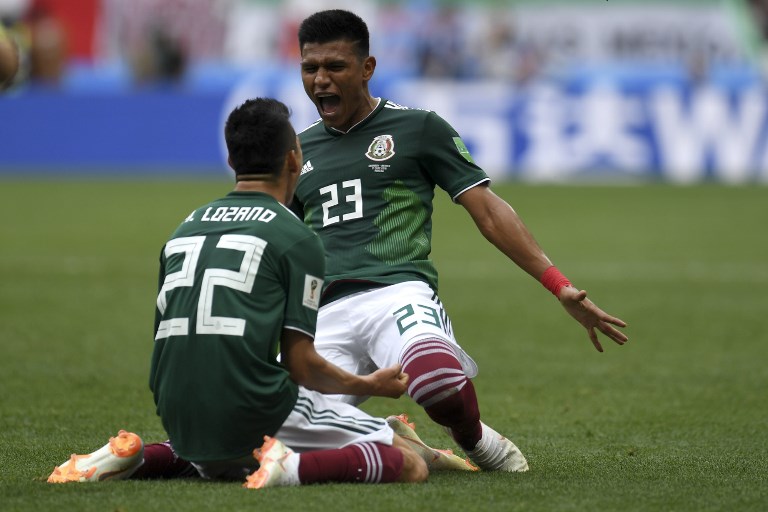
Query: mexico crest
382, 148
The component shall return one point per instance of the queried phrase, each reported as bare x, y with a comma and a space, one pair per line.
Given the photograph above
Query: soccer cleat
437, 460
495, 452
276, 467
116, 460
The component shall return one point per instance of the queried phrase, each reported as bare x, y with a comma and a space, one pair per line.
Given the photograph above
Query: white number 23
356, 197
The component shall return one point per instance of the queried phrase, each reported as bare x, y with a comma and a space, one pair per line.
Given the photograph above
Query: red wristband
553, 280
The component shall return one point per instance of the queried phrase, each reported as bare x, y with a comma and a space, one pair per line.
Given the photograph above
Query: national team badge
382, 148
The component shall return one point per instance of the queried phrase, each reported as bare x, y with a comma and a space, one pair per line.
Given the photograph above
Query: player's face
336, 79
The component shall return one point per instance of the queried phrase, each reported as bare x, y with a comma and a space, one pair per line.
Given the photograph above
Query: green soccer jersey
368, 193
233, 275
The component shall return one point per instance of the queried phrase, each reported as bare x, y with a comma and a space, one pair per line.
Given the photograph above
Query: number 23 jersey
368, 193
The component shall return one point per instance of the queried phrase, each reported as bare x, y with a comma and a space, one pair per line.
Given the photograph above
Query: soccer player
240, 281
366, 188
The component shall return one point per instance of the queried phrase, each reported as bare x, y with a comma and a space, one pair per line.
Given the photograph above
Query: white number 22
252, 248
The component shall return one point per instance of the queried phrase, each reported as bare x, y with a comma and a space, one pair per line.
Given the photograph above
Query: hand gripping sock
364, 462
438, 384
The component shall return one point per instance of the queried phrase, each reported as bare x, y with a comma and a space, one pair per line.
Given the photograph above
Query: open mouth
328, 104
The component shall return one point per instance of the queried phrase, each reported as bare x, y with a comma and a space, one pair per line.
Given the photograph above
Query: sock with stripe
364, 462
438, 383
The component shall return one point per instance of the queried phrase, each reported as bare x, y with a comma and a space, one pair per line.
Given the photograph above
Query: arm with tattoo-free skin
309, 369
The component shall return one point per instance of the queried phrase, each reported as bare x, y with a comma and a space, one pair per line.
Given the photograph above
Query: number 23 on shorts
411, 315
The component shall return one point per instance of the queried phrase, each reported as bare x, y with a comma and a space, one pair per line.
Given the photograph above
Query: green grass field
676, 420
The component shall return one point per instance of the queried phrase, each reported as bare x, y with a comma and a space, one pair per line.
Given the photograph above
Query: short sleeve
304, 265
447, 159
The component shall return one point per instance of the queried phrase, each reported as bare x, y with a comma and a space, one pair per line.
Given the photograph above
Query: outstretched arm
311, 370
500, 224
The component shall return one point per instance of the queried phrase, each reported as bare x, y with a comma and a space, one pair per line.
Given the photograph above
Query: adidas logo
307, 167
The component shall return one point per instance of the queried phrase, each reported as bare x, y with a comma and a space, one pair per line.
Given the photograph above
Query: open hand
591, 317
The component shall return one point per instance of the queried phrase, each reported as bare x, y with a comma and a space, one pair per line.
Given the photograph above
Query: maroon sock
438, 383
461, 414
160, 461
364, 462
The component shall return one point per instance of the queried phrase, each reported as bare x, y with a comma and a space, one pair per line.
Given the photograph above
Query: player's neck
273, 188
368, 105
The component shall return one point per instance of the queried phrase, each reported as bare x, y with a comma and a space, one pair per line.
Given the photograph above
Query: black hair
335, 25
258, 134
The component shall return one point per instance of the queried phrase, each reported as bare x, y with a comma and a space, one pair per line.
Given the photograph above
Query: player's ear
291, 172
369, 66
229, 162
295, 157
293, 161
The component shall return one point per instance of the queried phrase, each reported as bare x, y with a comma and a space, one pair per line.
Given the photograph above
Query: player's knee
435, 372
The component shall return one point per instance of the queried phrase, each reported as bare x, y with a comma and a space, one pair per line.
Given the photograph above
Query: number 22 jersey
233, 275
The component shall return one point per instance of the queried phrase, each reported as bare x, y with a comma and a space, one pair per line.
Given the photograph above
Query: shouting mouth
328, 104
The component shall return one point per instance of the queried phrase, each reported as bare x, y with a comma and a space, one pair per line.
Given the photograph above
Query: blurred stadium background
590, 92
542, 91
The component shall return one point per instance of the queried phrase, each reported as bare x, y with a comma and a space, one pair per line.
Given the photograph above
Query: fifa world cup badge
312, 287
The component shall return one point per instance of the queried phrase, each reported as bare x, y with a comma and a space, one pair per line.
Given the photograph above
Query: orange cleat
116, 460
276, 466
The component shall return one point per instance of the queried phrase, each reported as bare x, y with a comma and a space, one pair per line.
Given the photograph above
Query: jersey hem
299, 329
456, 197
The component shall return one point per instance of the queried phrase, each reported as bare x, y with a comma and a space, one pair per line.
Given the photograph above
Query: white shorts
317, 422
369, 330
